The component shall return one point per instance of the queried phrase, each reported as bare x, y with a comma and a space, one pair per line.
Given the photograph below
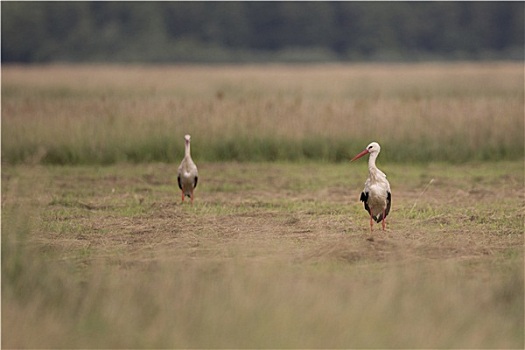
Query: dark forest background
260, 31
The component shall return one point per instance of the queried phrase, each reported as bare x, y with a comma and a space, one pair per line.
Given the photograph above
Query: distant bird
187, 172
376, 195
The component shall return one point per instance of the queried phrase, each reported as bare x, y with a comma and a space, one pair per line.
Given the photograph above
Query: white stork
187, 175
376, 195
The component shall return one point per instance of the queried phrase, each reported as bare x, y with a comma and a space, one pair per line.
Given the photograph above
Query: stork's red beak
365, 152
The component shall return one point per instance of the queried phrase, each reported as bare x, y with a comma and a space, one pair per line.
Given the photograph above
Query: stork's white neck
374, 174
372, 161
187, 149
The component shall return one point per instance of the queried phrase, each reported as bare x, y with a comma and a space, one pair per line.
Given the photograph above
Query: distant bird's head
187, 138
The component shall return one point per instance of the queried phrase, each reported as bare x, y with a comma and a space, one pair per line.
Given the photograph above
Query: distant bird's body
187, 175
376, 195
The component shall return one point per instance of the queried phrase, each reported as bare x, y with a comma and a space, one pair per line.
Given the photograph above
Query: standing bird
187, 173
376, 195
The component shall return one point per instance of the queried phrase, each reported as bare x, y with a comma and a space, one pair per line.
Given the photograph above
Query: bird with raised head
187, 174
376, 195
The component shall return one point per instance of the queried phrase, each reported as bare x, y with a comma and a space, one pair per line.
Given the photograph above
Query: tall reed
108, 114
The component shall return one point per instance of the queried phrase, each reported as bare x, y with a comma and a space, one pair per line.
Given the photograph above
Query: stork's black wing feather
178, 181
364, 199
196, 179
388, 203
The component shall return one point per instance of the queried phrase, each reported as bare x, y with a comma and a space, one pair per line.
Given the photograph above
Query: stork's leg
384, 223
371, 223
191, 196
183, 195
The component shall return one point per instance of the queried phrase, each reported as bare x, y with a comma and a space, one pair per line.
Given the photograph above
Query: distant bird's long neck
187, 150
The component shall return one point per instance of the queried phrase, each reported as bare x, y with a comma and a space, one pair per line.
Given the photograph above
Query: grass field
271, 255
98, 251
426, 112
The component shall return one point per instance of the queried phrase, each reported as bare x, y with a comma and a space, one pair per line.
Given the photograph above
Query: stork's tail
379, 217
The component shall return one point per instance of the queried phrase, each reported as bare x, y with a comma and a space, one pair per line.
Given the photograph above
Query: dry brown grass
111, 113
270, 256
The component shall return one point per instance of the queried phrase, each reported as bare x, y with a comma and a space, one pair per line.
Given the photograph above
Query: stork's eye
369, 147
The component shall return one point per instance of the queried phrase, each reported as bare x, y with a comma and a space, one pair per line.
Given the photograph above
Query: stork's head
187, 138
371, 148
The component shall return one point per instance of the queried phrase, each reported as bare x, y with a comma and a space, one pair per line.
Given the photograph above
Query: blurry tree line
260, 31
